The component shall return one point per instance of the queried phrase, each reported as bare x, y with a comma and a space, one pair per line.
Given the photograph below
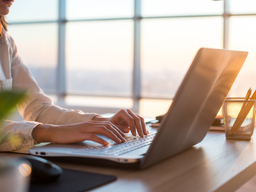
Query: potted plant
14, 174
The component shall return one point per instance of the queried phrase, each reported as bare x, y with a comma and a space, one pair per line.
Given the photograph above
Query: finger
144, 127
113, 127
137, 122
117, 128
105, 131
95, 138
116, 131
101, 129
129, 120
123, 128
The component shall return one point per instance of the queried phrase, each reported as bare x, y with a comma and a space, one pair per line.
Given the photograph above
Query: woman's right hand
78, 132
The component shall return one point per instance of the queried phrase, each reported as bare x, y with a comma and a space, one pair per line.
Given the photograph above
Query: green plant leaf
8, 100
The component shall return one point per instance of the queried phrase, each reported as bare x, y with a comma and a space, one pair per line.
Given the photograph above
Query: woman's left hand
126, 120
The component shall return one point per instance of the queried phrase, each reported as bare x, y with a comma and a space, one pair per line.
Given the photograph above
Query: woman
44, 121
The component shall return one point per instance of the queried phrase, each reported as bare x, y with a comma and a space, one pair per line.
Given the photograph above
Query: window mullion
226, 16
136, 86
61, 71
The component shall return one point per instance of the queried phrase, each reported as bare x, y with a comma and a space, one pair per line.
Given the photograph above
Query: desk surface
215, 164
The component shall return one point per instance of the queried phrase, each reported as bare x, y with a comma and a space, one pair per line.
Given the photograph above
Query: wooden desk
215, 164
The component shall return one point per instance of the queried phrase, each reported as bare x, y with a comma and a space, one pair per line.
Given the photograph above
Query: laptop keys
132, 143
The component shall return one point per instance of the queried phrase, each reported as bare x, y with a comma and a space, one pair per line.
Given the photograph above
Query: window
168, 47
243, 37
129, 53
99, 63
37, 46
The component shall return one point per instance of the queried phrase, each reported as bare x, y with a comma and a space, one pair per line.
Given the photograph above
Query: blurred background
103, 55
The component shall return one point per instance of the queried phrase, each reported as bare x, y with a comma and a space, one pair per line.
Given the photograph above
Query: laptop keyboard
132, 143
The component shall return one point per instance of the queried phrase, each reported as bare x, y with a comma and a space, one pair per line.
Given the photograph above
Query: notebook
194, 107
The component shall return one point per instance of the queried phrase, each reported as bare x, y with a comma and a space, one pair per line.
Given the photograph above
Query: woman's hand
126, 120
113, 127
78, 132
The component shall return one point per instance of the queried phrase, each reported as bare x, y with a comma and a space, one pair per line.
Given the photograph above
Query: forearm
47, 132
78, 132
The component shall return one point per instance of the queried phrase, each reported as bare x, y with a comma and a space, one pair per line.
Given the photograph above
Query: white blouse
37, 108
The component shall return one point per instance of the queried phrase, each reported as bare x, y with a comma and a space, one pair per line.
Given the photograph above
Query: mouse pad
73, 181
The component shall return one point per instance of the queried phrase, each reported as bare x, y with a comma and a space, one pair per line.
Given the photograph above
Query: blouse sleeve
21, 132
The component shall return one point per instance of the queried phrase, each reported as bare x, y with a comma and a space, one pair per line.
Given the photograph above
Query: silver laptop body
194, 107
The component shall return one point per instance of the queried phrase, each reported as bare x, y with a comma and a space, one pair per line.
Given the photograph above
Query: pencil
243, 113
237, 122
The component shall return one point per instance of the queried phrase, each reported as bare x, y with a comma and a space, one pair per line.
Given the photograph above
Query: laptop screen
196, 103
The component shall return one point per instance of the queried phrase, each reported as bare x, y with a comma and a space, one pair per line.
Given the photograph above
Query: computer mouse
43, 170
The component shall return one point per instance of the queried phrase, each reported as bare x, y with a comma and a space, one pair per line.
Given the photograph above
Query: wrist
43, 133
99, 118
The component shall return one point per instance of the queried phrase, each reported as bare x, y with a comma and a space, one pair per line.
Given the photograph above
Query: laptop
194, 107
